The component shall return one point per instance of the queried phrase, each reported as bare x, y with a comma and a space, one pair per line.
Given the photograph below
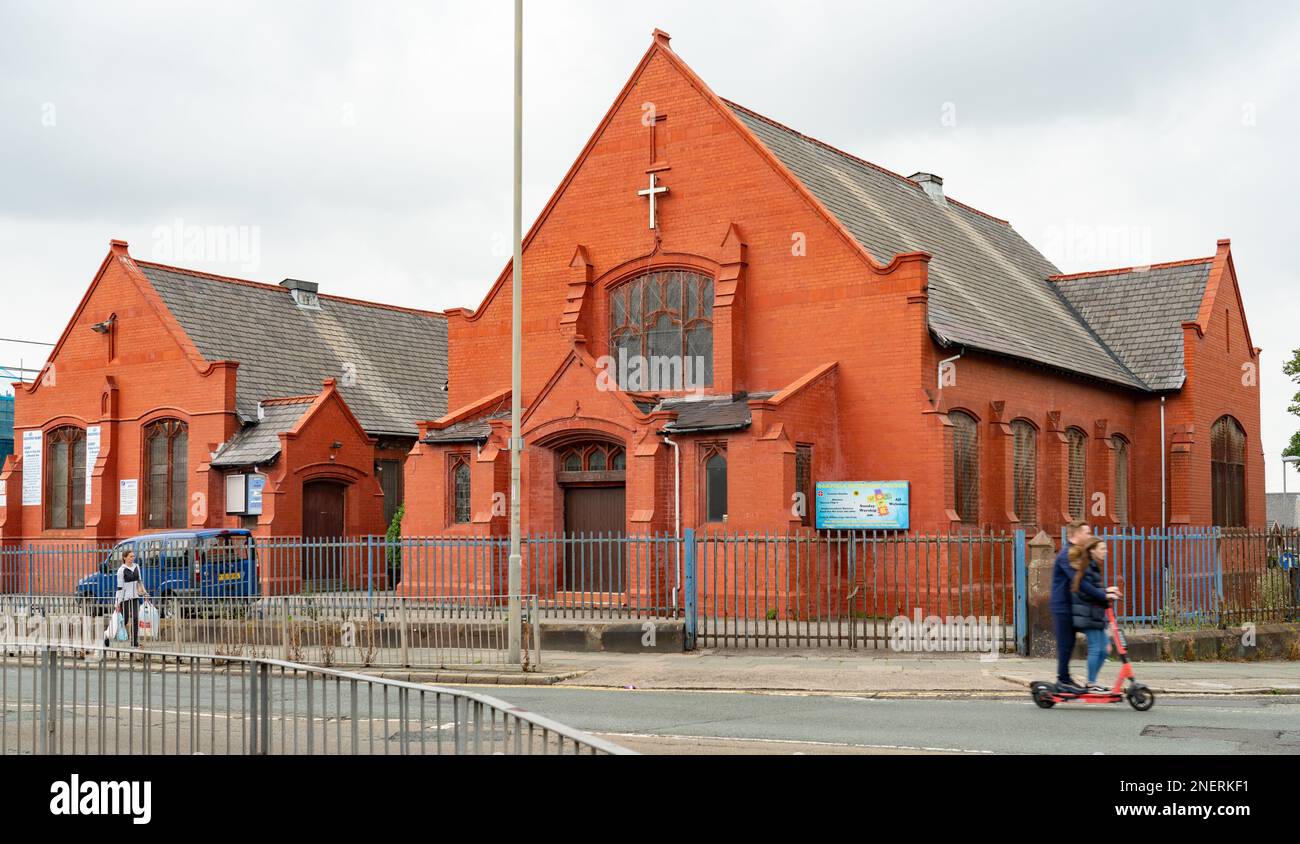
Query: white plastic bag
148, 620
116, 628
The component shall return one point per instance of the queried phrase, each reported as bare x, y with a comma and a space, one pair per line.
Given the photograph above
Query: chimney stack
932, 185
304, 292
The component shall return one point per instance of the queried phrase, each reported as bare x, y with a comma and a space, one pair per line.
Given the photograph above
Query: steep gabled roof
390, 362
988, 285
1139, 313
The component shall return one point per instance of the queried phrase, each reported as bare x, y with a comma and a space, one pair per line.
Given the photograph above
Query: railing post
537, 632
1022, 596
370, 574
264, 708
688, 576
284, 627
253, 708
46, 685
401, 618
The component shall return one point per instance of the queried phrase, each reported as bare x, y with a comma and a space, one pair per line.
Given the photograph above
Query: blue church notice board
862, 505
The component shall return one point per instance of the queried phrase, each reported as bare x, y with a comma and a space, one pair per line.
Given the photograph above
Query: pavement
868, 673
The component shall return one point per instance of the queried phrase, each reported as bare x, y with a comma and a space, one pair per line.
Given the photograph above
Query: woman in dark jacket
1089, 598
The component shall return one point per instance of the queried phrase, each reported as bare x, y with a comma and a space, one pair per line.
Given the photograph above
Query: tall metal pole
516, 344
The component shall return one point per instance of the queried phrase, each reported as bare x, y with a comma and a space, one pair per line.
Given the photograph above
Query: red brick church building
177, 399
825, 319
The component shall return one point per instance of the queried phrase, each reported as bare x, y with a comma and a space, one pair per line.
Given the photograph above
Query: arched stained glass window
661, 331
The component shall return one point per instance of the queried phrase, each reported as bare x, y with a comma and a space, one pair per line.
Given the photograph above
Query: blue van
187, 564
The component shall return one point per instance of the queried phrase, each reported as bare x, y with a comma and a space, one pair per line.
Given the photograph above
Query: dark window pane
461, 491
803, 480
1121, 480
389, 473
77, 486
1228, 472
179, 479
1078, 442
59, 485
1025, 463
965, 466
596, 460
715, 494
573, 462
699, 356
619, 463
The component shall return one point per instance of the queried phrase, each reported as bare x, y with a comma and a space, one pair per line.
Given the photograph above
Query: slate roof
260, 442
466, 431
1139, 314
715, 413
988, 285
390, 363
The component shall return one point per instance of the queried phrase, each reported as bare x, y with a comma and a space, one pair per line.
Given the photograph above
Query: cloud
369, 143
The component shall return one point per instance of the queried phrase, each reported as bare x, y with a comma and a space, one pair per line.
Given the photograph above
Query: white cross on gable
654, 190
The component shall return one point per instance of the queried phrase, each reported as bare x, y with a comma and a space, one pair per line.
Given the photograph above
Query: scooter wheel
1043, 697
1141, 698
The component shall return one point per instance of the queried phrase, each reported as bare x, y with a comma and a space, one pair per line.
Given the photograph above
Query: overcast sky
366, 146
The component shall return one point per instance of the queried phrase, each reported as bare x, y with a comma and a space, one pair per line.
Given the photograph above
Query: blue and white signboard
862, 505
256, 484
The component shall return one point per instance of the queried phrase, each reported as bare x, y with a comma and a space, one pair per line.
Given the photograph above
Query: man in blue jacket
1062, 616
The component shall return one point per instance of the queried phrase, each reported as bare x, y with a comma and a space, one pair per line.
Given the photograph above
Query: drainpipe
1163, 448
938, 375
677, 513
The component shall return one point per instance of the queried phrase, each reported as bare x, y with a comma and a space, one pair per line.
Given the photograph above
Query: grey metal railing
321, 629
91, 700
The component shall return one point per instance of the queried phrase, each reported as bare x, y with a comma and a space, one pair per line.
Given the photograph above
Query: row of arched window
1227, 464
1024, 464
166, 476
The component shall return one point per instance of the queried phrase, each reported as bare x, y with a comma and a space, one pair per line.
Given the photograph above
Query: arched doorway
323, 525
592, 476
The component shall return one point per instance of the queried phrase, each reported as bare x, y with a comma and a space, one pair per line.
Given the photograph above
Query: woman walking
1089, 598
130, 591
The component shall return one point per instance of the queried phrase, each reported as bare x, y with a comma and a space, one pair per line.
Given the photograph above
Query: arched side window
1120, 502
166, 473
1078, 445
65, 478
1228, 472
461, 513
664, 318
1024, 460
965, 466
714, 467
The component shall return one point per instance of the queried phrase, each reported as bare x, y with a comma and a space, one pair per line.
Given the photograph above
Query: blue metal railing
1197, 576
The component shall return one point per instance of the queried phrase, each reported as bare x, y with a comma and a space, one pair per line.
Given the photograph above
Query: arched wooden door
323, 525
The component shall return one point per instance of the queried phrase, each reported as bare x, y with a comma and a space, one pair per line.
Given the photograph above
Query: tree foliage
1292, 370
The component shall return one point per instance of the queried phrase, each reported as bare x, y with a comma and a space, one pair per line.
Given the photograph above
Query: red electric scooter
1140, 697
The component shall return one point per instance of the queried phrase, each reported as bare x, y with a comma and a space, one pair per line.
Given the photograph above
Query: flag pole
516, 345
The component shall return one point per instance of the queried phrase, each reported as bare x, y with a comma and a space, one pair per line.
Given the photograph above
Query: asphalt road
732, 722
